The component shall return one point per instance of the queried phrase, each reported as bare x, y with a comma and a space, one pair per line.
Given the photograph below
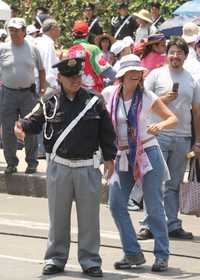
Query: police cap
122, 4
70, 66
89, 6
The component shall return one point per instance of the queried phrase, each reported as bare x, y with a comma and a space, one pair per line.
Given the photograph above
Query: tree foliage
67, 11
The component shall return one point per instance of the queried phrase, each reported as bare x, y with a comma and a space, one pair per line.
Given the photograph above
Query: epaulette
49, 93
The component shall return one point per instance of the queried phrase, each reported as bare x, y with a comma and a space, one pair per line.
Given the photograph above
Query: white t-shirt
161, 81
46, 48
147, 102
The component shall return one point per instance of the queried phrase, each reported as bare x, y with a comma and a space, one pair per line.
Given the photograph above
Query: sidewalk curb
32, 185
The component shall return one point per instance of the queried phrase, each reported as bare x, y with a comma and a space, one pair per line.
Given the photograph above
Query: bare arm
169, 118
42, 79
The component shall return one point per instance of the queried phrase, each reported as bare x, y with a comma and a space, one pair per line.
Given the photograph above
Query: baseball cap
31, 29
17, 23
80, 27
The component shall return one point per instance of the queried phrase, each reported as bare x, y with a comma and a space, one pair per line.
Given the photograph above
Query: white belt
74, 163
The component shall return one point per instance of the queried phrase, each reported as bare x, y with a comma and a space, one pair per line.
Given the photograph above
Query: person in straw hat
139, 160
146, 26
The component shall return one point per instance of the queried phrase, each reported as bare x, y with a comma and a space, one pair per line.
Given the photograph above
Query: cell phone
175, 87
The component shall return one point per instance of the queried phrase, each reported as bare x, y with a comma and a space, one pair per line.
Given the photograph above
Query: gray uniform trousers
13, 104
83, 185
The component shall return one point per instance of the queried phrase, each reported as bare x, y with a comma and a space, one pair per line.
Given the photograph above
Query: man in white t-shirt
175, 143
46, 47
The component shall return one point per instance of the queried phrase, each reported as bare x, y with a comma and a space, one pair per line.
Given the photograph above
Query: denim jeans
174, 150
121, 184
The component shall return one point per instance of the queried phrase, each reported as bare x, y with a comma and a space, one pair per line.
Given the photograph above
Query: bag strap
121, 26
72, 125
193, 172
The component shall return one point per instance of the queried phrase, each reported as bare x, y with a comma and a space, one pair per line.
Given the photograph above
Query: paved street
23, 233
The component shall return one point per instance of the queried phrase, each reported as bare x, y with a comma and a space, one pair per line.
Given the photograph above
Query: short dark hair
14, 8
155, 4
179, 43
44, 10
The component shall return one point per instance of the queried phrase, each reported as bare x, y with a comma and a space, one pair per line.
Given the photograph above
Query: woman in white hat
139, 161
146, 27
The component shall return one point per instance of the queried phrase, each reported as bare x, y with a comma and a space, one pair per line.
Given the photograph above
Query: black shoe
180, 233
128, 261
94, 271
31, 169
10, 170
52, 269
160, 265
144, 234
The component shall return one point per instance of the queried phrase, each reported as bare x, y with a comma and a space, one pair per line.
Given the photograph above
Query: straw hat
128, 63
190, 32
144, 14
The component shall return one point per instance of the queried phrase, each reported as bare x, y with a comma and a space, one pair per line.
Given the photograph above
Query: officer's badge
72, 62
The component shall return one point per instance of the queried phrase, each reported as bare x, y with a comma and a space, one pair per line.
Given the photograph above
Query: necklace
130, 130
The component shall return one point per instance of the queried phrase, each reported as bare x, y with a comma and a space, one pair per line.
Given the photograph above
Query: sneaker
132, 206
31, 169
180, 233
128, 261
144, 234
10, 170
159, 265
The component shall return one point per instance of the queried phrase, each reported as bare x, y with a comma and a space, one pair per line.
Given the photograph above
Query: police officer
93, 22
124, 24
155, 13
73, 166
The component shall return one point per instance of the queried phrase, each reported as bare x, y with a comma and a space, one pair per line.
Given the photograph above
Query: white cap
17, 23
119, 45
31, 29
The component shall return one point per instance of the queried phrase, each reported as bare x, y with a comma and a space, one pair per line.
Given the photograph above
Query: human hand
154, 128
108, 168
169, 96
196, 149
19, 131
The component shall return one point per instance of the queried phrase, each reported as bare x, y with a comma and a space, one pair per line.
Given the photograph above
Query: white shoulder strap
92, 24
72, 125
121, 26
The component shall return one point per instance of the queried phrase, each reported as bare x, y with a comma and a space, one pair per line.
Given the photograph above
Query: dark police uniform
95, 28
129, 27
69, 176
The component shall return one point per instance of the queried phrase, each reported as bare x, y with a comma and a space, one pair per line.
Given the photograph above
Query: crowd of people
129, 100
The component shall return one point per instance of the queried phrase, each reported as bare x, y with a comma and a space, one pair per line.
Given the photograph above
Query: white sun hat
119, 45
190, 32
128, 63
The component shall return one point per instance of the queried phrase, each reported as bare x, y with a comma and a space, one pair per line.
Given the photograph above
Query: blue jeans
120, 187
174, 150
